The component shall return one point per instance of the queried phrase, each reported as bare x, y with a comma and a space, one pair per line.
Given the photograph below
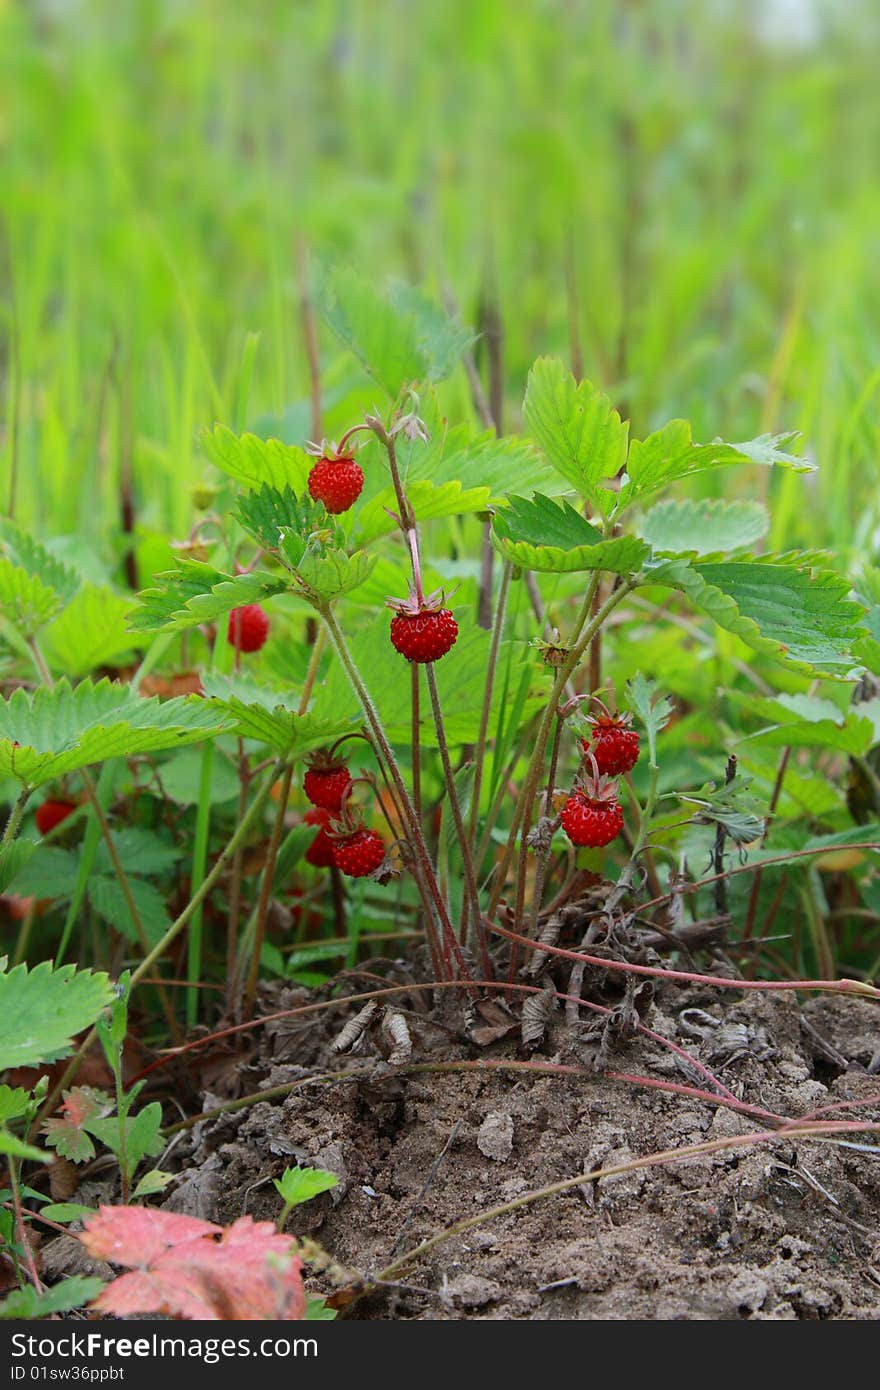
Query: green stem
16, 816
173, 931
266, 891
583, 636
199, 864
446, 946
485, 713
472, 897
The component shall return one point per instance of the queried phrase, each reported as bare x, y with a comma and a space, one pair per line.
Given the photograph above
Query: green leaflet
41, 1011
260, 713
256, 462
90, 631
670, 454
539, 534
799, 617
399, 337
196, 592
703, 527
579, 432
60, 730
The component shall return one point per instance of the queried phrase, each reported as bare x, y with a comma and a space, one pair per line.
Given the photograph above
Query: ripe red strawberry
614, 745
326, 784
337, 481
592, 816
52, 813
320, 852
248, 628
358, 854
422, 630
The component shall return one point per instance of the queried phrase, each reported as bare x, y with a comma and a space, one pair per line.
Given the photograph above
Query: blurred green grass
658, 191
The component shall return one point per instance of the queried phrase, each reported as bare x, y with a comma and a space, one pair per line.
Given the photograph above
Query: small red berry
591, 821
52, 813
320, 852
248, 628
327, 785
614, 745
359, 854
337, 482
425, 635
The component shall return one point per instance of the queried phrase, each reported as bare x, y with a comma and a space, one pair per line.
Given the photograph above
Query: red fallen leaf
67, 1135
179, 1269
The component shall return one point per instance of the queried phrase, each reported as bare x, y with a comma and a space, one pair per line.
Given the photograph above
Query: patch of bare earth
781, 1230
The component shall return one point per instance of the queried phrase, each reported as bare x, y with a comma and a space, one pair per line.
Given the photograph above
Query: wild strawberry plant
445, 685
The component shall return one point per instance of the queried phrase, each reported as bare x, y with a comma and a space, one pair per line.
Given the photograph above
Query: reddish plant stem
445, 947
477, 931
855, 987
754, 868
416, 740
390, 990
266, 890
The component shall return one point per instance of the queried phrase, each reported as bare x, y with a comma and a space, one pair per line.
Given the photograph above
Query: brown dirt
783, 1230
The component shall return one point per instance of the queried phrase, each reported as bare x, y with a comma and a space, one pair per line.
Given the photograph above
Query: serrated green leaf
654, 709
52, 732
298, 1185
24, 600
34, 585
579, 432
800, 618
671, 454
13, 859
195, 592
399, 338
17, 1148
14, 1102
152, 1182
26, 1304
256, 462
109, 901
143, 1134
261, 713
270, 512
91, 631
333, 573
704, 527
49, 872
538, 534
41, 1010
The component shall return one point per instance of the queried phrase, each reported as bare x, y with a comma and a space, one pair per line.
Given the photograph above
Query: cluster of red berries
592, 816
342, 840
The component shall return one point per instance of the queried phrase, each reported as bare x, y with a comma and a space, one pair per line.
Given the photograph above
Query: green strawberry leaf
670, 454
538, 534
703, 527
41, 1010
256, 462
801, 618
195, 592
579, 432
27, 1305
52, 732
